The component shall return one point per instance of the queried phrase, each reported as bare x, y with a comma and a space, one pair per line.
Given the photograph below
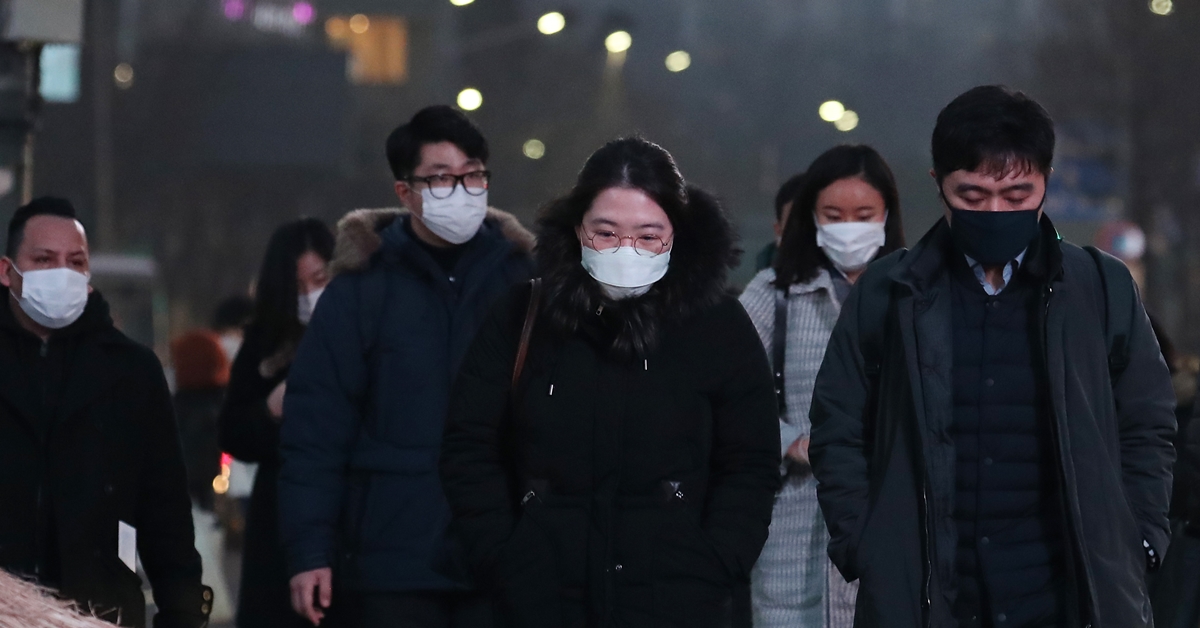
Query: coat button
204, 608
984, 541
108, 489
207, 595
989, 382
1001, 617
619, 567
987, 461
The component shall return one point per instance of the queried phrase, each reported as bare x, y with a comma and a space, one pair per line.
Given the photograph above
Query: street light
461, 3
831, 111
123, 75
618, 42
534, 149
1162, 7
359, 24
551, 23
470, 99
679, 61
848, 121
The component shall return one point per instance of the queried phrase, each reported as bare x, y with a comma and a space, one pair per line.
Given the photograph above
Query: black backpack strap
779, 347
875, 302
1119, 303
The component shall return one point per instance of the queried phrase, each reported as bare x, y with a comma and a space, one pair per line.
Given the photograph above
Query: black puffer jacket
632, 482
87, 440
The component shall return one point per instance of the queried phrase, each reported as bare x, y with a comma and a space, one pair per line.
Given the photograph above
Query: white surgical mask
457, 218
625, 273
55, 297
851, 245
307, 305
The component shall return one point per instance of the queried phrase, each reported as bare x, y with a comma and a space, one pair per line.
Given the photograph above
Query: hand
275, 401
302, 593
798, 451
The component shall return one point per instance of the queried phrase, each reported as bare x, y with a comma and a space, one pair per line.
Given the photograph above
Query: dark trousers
413, 609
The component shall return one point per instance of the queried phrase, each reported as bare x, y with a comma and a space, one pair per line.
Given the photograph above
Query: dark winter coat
88, 439
367, 396
887, 472
629, 480
249, 433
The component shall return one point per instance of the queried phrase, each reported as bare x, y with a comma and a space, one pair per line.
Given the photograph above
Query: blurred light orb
679, 61
470, 99
336, 28
618, 42
360, 24
461, 3
831, 110
848, 121
1162, 7
234, 9
123, 75
551, 23
303, 13
534, 149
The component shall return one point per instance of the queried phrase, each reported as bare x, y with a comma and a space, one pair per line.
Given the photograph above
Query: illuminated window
378, 47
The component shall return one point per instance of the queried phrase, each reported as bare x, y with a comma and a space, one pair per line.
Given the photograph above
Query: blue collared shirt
1006, 277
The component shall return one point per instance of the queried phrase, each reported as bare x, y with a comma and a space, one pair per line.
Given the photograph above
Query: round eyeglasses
441, 186
607, 242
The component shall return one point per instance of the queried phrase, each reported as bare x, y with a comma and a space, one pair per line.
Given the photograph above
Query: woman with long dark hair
845, 214
617, 467
293, 274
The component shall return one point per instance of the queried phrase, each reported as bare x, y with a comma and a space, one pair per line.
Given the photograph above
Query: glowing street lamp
618, 42
534, 149
551, 23
831, 111
470, 99
848, 121
679, 61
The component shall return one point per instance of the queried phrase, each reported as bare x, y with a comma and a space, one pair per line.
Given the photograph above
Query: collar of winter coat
360, 235
95, 317
927, 260
702, 253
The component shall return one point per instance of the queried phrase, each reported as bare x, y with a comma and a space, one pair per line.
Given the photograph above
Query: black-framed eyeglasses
441, 186
606, 242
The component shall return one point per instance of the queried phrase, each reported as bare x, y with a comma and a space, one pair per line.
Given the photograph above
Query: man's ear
402, 191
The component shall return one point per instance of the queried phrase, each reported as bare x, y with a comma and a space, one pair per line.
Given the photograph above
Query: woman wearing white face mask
845, 214
294, 272
621, 470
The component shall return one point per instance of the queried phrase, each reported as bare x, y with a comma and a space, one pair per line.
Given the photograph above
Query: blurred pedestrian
848, 213
201, 374
363, 513
294, 273
1175, 589
229, 322
992, 423
92, 475
622, 473
783, 208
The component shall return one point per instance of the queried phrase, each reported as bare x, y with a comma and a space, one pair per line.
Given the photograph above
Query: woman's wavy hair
799, 257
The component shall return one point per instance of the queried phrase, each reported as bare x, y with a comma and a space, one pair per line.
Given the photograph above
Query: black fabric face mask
993, 238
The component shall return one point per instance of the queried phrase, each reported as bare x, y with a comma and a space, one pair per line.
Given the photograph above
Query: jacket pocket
540, 566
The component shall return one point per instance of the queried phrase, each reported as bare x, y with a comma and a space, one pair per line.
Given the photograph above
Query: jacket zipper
927, 586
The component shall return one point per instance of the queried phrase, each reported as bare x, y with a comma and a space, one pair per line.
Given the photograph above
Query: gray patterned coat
794, 585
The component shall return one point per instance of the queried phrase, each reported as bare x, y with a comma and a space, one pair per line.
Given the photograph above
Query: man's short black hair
994, 127
787, 194
431, 125
44, 206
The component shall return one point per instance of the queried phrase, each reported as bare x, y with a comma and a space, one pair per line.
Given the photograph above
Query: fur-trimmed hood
702, 254
358, 235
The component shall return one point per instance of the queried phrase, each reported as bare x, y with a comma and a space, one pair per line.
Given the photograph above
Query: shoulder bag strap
535, 298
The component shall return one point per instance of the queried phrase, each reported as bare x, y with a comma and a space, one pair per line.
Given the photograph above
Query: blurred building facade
234, 115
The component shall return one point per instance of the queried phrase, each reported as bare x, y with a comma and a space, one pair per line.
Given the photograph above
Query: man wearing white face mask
363, 513
91, 472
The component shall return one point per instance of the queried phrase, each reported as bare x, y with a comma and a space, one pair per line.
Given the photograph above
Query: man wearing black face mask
992, 423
